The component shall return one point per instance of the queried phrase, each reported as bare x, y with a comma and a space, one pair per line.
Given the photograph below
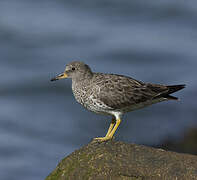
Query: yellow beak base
60, 76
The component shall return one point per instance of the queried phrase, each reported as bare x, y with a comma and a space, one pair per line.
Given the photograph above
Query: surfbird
113, 94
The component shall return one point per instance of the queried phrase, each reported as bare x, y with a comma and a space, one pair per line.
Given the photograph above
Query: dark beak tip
54, 79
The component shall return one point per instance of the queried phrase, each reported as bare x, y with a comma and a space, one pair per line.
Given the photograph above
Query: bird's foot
102, 139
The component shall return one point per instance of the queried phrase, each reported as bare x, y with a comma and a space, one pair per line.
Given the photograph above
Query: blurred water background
40, 122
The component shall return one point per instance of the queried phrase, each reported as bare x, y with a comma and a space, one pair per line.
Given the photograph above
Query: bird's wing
120, 91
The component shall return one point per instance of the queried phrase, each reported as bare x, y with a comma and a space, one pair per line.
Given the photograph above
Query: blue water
40, 122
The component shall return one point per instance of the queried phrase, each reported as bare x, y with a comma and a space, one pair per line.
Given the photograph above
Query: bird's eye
73, 68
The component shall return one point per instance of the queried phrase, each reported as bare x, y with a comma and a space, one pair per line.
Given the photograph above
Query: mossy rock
113, 160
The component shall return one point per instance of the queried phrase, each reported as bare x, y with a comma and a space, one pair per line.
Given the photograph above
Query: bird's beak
60, 76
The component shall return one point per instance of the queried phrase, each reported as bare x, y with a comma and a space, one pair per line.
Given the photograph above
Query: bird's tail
172, 89
175, 88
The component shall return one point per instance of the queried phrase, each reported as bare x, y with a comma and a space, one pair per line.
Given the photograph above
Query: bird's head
75, 70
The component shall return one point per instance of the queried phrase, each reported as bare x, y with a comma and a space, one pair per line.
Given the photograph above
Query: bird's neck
83, 76
84, 79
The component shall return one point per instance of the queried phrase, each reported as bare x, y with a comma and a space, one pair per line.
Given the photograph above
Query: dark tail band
171, 89
175, 88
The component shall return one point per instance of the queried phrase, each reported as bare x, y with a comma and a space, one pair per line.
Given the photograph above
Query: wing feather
118, 91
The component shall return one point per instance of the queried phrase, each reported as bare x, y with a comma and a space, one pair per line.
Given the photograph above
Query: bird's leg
118, 121
113, 121
111, 133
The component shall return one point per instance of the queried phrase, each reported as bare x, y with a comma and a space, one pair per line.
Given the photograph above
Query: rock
114, 160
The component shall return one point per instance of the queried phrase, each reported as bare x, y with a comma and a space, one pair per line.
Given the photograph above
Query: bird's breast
88, 97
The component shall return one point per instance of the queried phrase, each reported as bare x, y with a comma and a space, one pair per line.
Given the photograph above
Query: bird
113, 94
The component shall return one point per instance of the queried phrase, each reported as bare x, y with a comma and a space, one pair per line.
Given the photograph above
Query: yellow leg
118, 121
110, 134
110, 129
113, 121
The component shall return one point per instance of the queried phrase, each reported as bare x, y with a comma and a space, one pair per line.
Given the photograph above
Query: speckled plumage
113, 94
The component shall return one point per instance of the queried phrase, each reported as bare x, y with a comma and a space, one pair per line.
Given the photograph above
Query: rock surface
114, 160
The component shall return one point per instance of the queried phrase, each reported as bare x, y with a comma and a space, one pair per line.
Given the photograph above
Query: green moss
55, 175
122, 161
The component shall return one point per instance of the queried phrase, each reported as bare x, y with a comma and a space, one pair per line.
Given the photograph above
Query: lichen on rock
115, 160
